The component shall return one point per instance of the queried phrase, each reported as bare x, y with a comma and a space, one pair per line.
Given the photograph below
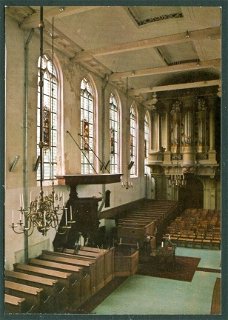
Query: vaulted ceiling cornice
209, 33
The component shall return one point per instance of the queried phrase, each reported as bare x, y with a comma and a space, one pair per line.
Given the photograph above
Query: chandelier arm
31, 229
17, 232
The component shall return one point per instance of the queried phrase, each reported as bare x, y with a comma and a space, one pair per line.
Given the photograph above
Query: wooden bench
14, 304
149, 226
132, 231
64, 278
77, 276
51, 288
99, 265
108, 260
150, 218
89, 277
32, 295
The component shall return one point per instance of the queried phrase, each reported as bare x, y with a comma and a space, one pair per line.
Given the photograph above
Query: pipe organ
183, 138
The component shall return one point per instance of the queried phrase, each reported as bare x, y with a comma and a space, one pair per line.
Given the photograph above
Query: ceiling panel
144, 15
208, 49
182, 52
132, 60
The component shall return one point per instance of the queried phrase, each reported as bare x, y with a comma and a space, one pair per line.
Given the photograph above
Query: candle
12, 216
30, 197
71, 215
45, 218
20, 215
20, 201
66, 215
63, 199
162, 244
25, 220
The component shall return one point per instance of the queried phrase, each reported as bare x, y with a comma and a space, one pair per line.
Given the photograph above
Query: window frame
114, 123
87, 141
51, 107
133, 139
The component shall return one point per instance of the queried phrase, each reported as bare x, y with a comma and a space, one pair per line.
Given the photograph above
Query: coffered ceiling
151, 48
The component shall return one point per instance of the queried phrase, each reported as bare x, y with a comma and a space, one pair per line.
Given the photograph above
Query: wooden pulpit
84, 210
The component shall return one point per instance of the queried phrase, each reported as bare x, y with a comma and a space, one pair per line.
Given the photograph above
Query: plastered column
212, 152
167, 153
209, 193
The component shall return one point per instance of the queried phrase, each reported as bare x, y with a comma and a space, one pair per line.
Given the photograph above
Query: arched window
133, 141
49, 116
87, 128
114, 127
146, 139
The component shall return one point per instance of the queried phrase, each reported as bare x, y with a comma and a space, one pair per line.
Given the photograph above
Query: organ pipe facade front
183, 144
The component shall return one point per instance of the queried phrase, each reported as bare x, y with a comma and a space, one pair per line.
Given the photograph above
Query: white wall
72, 74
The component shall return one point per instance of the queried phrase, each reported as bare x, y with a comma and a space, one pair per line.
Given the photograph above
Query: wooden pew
64, 278
88, 287
108, 260
51, 288
14, 304
132, 231
98, 259
32, 295
149, 226
77, 275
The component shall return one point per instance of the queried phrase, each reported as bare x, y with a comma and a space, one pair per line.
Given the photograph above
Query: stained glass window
87, 128
49, 116
133, 140
114, 127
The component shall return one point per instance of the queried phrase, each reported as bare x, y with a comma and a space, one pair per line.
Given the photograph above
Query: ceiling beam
211, 33
178, 86
33, 20
214, 63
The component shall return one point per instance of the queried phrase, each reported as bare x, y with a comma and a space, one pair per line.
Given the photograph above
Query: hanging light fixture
127, 184
177, 178
43, 212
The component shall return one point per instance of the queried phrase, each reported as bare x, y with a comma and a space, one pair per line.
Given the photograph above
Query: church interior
112, 160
